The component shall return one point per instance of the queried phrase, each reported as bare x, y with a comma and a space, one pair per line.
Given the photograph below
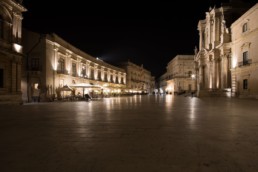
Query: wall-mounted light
193, 76
17, 48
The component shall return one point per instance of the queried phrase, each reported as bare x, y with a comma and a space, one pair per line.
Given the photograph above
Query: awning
66, 88
84, 85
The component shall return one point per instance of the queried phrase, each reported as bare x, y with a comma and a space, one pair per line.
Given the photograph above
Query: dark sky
146, 33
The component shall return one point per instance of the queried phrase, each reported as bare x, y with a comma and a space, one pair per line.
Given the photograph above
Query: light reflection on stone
192, 113
169, 102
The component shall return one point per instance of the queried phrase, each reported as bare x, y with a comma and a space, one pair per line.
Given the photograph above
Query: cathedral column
199, 78
209, 74
213, 74
222, 71
229, 72
196, 78
218, 73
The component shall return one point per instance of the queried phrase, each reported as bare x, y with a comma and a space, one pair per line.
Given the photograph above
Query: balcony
65, 72
245, 63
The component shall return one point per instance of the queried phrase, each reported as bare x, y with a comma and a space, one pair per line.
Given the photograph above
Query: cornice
18, 6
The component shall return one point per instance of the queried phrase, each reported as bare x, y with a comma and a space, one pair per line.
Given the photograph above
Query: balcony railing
244, 63
65, 72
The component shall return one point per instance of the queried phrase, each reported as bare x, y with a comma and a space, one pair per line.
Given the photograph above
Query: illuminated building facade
10, 51
245, 54
213, 60
52, 63
138, 79
180, 75
162, 84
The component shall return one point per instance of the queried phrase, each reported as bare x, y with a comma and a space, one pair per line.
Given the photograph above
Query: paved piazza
131, 134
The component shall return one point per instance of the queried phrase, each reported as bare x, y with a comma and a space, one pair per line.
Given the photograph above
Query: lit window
61, 65
245, 84
244, 28
83, 72
36, 86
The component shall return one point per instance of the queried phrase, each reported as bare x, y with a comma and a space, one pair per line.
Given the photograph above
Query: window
245, 84
244, 28
74, 69
92, 73
83, 72
189, 73
35, 63
36, 86
111, 78
99, 74
61, 65
105, 77
1, 78
245, 58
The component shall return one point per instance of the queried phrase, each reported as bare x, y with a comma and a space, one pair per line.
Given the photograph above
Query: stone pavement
131, 134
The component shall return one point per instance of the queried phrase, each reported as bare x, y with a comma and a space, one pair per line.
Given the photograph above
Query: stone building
180, 76
162, 84
138, 79
213, 59
245, 54
51, 64
10, 51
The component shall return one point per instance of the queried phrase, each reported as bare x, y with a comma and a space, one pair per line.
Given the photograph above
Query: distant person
87, 97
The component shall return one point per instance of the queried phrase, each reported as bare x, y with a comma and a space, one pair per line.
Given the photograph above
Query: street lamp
193, 76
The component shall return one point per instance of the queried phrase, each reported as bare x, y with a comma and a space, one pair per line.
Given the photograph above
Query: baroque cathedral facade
214, 59
10, 51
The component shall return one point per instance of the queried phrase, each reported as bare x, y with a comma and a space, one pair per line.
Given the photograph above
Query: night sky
145, 33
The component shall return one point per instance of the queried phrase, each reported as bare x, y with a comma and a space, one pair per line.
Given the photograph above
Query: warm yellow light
106, 90
210, 84
17, 48
234, 62
193, 76
169, 88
